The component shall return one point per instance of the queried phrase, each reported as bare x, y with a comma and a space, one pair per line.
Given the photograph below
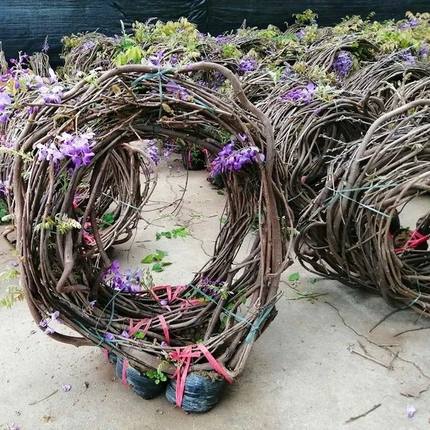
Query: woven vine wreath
209, 324
353, 233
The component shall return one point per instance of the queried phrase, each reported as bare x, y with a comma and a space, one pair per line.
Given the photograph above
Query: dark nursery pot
201, 393
112, 358
194, 159
142, 385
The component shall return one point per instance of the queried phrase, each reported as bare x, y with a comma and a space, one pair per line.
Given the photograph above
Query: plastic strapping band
134, 329
124, 371
416, 239
165, 328
216, 365
256, 326
183, 358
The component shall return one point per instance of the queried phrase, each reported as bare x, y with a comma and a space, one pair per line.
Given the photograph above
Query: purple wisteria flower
51, 95
222, 40
45, 46
4, 188
77, 147
410, 23
407, 57
247, 65
288, 72
66, 387
153, 152
32, 110
231, 160
109, 337
342, 64
169, 147
33, 81
87, 46
211, 288
125, 334
129, 282
424, 50
5, 102
300, 34
49, 152
47, 322
53, 78
177, 91
157, 58
410, 411
13, 426
300, 95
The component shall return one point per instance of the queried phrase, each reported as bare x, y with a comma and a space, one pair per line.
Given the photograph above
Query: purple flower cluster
300, 95
342, 64
129, 282
222, 40
174, 59
5, 102
157, 58
153, 152
77, 147
177, 91
51, 95
288, 72
300, 34
410, 23
4, 189
424, 50
47, 322
407, 57
247, 65
231, 160
211, 288
109, 337
87, 46
45, 46
169, 147
49, 152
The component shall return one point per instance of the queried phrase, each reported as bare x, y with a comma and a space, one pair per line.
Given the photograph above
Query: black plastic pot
139, 382
112, 358
201, 393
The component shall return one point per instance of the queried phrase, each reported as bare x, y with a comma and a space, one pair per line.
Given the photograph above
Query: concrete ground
317, 367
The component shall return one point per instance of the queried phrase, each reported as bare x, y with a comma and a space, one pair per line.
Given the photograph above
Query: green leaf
13, 295
165, 263
173, 234
139, 335
157, 256
294, 277
148, 259
108, 219
3, 210
8, 275
160, 254
157, 267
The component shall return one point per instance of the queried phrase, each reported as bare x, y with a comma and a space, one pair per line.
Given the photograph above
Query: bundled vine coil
310, 132
352, 232
387, 77
203, 323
